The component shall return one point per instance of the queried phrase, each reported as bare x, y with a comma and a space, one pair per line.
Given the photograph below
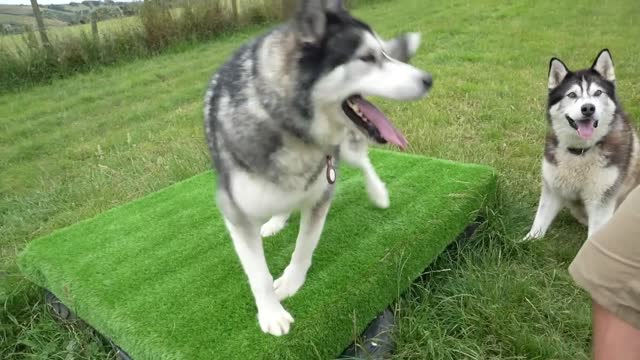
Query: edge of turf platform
129, 304
375, 342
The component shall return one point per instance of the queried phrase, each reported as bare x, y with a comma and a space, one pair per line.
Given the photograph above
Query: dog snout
588, 109
427, 81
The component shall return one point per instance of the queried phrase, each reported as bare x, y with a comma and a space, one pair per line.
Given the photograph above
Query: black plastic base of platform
376, 342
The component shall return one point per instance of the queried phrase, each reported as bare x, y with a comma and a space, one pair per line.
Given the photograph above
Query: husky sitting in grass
592, 154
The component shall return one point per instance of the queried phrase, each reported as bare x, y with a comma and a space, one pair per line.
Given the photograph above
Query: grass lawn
79, 146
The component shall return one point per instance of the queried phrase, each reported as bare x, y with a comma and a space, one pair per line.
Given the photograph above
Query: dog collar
578, 151
581, 151
331, 170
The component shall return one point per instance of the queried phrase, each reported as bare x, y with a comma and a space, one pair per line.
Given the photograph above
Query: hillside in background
14, 18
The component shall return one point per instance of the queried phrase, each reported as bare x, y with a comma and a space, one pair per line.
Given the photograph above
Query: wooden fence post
94, 25
288, 8
40, 22
234, 10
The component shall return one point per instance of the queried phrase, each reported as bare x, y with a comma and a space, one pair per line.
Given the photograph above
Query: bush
160, 27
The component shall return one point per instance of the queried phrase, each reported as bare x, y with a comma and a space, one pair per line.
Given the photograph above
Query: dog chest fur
580, 177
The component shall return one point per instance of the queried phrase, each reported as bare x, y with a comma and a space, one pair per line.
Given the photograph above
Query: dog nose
427, 81
588, 109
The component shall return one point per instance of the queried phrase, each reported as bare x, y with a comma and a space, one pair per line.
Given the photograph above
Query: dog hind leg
311, 225
599, 214
579, 212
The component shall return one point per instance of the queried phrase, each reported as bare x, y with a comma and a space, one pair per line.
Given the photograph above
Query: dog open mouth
585, 127
372, 121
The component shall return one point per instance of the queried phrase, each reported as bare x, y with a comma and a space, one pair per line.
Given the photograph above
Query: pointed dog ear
557, 72
311, 21
404, 47
603, 64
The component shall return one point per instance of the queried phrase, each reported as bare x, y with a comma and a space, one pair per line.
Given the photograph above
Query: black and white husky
592, 155
278, 116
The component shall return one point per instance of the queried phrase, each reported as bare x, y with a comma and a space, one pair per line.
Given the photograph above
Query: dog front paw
532, 235
378, 194
275, 320
290, 282
273, 226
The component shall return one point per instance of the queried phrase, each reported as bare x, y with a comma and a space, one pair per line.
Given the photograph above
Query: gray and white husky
278, 116
592, 154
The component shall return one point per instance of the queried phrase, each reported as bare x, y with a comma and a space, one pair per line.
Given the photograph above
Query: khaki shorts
608, 265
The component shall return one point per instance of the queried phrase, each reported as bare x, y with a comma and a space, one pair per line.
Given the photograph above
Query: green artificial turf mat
160, 278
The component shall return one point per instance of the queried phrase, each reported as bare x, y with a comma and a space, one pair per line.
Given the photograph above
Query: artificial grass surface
160, 278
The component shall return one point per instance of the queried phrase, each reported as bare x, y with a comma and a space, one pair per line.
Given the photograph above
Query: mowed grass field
80, 146
60, 31
57, 30
23, 14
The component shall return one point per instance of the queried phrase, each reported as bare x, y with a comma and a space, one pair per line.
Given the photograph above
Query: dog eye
572, 95
598, 93
368, 58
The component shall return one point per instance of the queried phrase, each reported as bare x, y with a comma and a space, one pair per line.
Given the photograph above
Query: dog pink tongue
585, 129
384, 126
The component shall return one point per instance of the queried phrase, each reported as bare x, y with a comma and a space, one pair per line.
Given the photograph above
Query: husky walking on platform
278, 117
